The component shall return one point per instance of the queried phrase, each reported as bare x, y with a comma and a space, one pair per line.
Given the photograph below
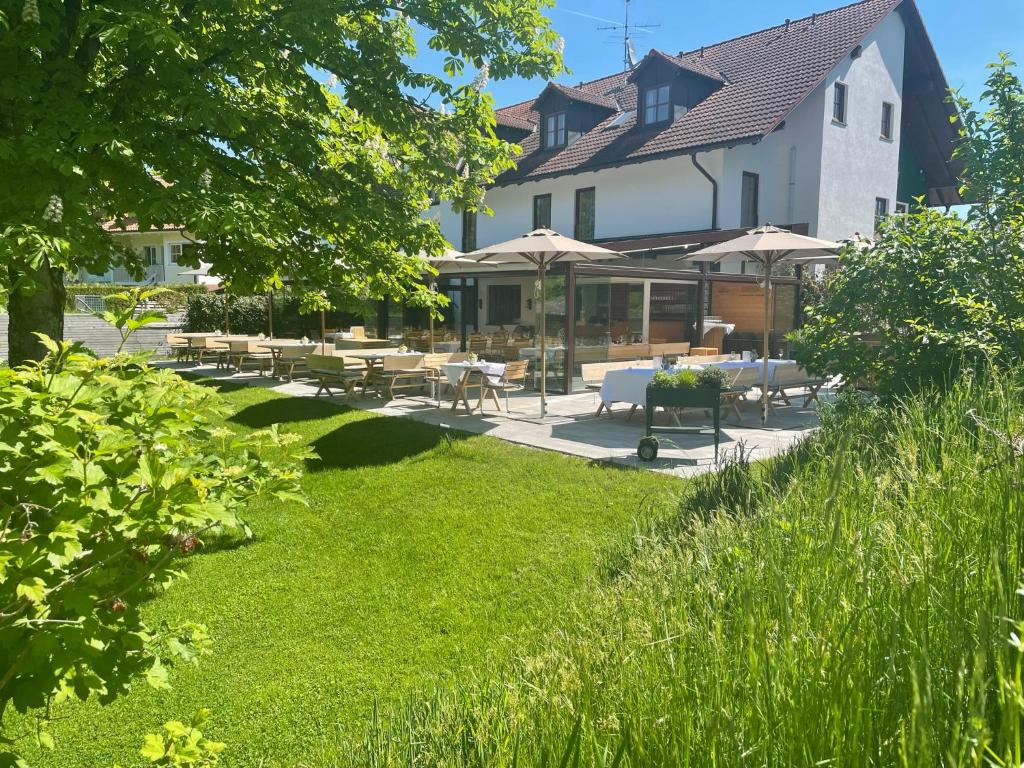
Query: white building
160, 251
820, 124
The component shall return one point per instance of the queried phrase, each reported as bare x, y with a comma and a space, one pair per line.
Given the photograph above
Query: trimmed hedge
248, 314
173, 301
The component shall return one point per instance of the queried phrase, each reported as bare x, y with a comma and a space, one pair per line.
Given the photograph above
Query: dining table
470, 375
736, 365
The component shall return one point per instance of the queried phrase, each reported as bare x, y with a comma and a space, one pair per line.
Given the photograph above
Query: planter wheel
648, 449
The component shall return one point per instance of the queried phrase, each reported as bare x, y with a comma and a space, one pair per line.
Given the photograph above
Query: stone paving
571, 426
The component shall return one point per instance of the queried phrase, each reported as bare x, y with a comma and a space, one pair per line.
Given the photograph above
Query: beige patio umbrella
455, 261
769, 246
542, 248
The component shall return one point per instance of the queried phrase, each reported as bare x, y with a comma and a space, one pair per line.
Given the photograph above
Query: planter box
683, 398
703, 398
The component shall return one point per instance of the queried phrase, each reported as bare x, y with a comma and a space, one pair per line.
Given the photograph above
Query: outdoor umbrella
454, 260
542, 248
768, 246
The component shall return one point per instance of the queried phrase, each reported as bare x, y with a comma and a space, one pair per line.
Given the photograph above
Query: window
554, 130
150, 255
468, 231
584, 226
902, 208
504, 304
881, 209
887, 113
839, 103
748, 200
178, 250
657, 105
542, 212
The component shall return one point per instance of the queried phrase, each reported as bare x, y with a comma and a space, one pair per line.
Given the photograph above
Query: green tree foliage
102, 493
936, 292
294, 139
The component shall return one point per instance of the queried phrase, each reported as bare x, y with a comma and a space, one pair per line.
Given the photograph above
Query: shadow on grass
376, 442
221, 385
285, 411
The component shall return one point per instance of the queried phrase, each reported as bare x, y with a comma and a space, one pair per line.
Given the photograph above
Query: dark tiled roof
692, 63
579, 94
511, 121
766, 75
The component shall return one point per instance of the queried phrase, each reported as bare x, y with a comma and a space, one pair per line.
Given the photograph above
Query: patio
571, 426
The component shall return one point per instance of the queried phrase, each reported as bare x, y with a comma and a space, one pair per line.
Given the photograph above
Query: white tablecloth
734, 365
446, 346
454, 371
628, 385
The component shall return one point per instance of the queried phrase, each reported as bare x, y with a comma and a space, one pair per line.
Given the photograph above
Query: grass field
856, 603
419, 557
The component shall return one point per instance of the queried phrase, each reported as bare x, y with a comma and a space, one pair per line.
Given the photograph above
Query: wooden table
372, 358
361, 343
460, 375
703, 351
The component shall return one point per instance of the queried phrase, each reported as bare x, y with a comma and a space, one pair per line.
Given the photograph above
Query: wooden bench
792, 376
332, 369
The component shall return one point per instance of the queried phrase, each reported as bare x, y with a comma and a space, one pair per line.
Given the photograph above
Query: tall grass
854, 603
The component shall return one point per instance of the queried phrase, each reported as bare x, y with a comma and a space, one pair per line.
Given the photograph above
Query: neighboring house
160, 250
821, 124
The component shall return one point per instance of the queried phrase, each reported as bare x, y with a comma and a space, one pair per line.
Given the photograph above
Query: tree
102, 495
936, 292
284, 135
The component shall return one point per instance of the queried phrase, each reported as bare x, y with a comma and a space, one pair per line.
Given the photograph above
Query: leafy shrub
712, 377
682, 379
709, 377
936, 294
248, 314
112, 472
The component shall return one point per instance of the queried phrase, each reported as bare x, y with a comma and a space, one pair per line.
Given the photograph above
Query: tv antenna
629, 59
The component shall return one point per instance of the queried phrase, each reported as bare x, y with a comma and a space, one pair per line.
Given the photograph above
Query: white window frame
170, 251
152, 260
658, 110
890, 135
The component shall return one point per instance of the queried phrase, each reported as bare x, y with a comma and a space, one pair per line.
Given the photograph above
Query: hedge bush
248, 314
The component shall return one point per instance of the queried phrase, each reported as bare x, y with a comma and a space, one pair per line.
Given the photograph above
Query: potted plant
682, 389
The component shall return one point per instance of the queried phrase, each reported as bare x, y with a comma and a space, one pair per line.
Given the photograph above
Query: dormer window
657, 105
554, 130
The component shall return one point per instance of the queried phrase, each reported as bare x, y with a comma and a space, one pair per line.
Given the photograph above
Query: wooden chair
512, 380
178, 346
478, 344
671, 351
331, 369
396, 369
744, 380
791, 376
434, 376
358, 331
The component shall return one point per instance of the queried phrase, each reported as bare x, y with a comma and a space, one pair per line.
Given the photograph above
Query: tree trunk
38, 311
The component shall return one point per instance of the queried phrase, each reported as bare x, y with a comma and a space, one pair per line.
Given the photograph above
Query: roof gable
692, 65
764, 76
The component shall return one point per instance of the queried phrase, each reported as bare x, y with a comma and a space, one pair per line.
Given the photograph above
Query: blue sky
966, 35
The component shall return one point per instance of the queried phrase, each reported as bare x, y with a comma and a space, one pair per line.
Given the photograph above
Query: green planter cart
699, 397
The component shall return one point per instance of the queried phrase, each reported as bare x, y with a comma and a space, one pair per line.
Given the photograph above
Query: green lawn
420, 557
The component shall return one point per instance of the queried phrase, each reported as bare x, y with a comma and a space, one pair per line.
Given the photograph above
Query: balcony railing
154, 273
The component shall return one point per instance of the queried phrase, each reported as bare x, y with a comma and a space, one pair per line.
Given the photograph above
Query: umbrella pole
543, 347
227, 320
270, 314
767, 334
430, 319
323, 333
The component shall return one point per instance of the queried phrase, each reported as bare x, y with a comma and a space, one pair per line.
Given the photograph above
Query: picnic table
735, 365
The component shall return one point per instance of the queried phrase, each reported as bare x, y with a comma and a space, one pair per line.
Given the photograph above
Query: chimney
814, 19
787, 25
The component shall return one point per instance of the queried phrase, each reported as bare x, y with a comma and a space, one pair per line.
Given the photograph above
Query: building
160, 250
822, 124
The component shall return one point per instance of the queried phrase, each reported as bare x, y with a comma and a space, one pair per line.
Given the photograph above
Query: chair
435, 377
289, 359
178, 346
742, 383
478, 344
332, 369
512, 380
358, 331
401, 368
791, 376
671, 350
